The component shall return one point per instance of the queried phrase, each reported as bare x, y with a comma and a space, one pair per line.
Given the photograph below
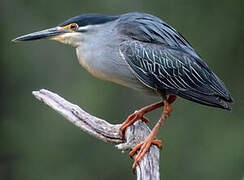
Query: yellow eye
73, 26
70, 27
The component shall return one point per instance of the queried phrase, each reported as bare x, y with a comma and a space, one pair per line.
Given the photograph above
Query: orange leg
139, 115
144, 146
155, 142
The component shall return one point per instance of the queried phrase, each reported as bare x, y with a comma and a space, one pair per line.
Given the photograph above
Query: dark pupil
73, 26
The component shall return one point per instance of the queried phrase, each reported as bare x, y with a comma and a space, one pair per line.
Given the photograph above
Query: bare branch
148, 168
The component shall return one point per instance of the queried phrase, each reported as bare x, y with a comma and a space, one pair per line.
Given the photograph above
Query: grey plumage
143, 52
163, 60
140, 51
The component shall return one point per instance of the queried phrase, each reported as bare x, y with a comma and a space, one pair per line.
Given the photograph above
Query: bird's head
71, 31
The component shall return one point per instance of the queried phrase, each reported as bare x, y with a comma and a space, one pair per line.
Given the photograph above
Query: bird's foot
137, 115
143, 147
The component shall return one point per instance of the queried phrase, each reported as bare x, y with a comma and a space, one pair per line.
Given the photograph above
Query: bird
143, 52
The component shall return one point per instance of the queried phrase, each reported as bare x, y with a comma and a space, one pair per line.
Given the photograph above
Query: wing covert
165, 68
162, 59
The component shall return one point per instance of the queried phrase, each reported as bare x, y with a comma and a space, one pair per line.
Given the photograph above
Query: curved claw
158, 143
155, 142
137, 115
143, 147
136, 148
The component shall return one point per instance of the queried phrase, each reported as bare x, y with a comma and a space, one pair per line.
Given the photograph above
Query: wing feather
163, 59
175, 72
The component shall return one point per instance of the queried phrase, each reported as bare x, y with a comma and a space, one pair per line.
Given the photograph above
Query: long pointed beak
47, 33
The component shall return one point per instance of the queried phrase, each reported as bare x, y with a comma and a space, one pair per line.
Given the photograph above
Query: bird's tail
209, 100
219, 96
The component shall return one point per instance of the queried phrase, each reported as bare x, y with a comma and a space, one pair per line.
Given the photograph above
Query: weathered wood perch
148, 168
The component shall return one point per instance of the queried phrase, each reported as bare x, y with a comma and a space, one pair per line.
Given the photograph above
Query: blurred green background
38, 144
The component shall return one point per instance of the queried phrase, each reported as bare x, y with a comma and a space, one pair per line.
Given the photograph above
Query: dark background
38, 144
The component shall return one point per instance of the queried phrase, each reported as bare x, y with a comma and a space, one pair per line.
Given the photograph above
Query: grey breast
102, 58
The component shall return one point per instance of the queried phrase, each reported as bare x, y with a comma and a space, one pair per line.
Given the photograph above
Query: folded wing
175, 71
